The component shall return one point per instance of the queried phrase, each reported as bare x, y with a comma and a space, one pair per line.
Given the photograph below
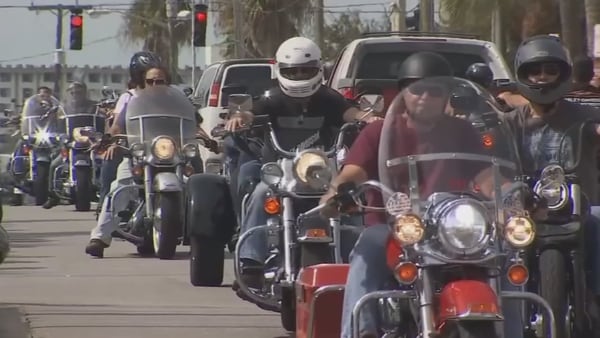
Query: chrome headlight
552, 187
190, 150
463, 227
312, 168
137, 150
271, 173
163, 148
519, 231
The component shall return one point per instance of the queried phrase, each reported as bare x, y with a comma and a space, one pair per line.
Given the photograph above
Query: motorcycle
42, 132
161, 136
77, 178
556, 259
453, 211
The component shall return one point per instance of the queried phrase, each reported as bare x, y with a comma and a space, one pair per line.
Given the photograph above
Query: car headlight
463, 227
408, 229
312, 167
190, 150
519, 231
163, 148
271, 173
137, 150
552, 187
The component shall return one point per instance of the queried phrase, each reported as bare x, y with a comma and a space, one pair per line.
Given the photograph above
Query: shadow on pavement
35, 239
12, 323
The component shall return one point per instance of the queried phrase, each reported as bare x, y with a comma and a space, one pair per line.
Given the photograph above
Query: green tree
146, 21
267, 23
347, 27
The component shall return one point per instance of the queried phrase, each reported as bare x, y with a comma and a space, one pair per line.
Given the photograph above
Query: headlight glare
519, 231
409, 229
163, 148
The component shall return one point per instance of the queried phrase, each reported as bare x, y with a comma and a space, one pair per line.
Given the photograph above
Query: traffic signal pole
59, 54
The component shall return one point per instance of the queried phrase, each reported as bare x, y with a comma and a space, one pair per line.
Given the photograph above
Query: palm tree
267, 23
572, 17
146, 20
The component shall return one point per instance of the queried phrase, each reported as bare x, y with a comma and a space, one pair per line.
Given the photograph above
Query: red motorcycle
457, 222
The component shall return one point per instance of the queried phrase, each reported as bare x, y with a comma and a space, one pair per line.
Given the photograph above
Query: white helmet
299, 69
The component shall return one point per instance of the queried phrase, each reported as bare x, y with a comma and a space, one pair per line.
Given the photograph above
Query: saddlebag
322, 284
210, 211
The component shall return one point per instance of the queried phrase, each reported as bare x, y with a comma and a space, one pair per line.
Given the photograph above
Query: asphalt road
49, 288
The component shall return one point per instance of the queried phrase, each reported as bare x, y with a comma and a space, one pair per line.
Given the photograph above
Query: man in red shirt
420, 127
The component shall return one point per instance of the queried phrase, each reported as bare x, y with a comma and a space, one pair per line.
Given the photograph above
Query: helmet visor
299, 73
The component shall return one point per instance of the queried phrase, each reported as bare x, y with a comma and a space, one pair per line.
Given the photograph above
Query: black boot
51, 202
96, 248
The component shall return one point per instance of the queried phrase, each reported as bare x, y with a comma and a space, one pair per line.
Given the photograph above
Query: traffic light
200, 19
76, 29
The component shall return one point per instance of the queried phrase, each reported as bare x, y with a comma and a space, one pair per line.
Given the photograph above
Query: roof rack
417, 33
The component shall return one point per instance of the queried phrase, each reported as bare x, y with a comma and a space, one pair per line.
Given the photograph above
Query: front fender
167, 182
209, 208
468, 300
42, 156
82, 160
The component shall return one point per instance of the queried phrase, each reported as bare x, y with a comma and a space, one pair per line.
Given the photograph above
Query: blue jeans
108, 173
369, 272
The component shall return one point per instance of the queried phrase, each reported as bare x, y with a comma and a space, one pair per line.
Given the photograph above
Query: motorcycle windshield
32, 118
160, 111
82, 114
442, 137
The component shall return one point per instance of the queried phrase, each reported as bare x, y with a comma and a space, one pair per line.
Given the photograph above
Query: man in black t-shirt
303, 114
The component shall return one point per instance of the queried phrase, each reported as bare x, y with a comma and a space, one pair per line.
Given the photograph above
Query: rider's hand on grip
219, 131
342, 201
234, 123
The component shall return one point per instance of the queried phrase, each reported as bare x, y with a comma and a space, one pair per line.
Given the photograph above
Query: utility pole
171, 9
238, 29
401, 15
60, 78
193, 23
320, 23
427, 10
497, 31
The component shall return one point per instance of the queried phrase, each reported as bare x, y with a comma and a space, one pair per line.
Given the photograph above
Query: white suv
256, 75
370, 64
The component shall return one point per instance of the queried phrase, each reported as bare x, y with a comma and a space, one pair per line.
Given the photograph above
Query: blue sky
26, 34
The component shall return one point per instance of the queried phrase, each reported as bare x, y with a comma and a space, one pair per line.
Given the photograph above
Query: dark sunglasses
152, 82
546, 68
421, 88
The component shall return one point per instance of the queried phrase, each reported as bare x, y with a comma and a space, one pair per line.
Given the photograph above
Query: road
62, 293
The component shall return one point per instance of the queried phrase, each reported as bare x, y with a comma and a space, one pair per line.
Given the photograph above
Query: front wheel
40, 183
470, 329
83, 189
554, 289
167, 224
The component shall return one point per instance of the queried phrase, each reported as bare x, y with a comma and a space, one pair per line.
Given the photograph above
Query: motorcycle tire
470, 329
207, 261
554, 287
40, 184
83, 190
170, 224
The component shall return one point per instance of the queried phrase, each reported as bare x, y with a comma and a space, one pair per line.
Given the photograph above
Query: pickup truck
369, 65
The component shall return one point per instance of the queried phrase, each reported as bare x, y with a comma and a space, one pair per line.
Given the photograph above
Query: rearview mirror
239, 102
371, 103
107, 91
188, 91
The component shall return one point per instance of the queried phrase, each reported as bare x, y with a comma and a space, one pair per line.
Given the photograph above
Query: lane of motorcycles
448, 251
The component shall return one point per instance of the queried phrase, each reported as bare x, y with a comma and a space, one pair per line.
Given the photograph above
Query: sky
31, 37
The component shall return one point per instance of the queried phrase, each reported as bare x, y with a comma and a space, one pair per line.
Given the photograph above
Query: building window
48, 77
5, 77
116, 78
4, 92
27, 77
94, 77
27, 92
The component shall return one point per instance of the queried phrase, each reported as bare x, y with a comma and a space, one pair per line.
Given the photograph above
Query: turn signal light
272, 206
518, 274
64, 153
137, 170
406, 272
488, 140
316, 233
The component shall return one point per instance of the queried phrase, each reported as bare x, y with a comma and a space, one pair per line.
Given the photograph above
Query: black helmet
423, 64
481, 74
141, 62
541, 49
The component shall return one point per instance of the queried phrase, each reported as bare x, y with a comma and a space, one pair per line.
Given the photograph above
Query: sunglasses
421, 88
546, 68
152, 82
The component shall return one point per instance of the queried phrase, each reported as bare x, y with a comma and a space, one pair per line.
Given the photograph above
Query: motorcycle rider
303, 113
369, 253
583, 91
543, 71
78, 100
101, 235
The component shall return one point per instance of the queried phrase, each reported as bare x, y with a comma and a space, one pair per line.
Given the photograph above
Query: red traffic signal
201, 16
76, 20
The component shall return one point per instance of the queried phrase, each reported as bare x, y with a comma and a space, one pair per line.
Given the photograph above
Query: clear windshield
33, 119
160, 110
446, 135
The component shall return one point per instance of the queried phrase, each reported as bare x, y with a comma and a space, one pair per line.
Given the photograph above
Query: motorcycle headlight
163, 148
408, 229
552, 187
137, 150
271, 173
312, 168
78, 137
463, 227
190, 150
519, 231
